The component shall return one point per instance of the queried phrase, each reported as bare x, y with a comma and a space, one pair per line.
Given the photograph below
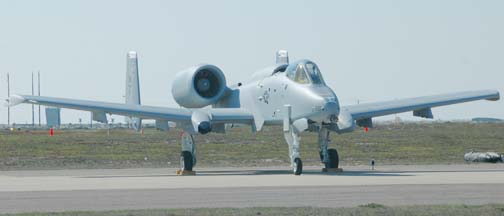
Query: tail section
132, 88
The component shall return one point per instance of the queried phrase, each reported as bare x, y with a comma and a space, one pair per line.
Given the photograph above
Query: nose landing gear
333, 159
329, 157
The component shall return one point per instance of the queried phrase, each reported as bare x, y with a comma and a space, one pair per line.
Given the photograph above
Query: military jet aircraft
294, 95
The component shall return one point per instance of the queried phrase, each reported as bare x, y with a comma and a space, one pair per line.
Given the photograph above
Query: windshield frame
313, 75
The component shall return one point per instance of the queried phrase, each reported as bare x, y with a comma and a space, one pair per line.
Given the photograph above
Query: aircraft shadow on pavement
263, 172
289, 172
250, 172
452, 171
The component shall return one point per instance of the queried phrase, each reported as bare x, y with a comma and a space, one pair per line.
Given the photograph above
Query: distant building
53, 117
487, 120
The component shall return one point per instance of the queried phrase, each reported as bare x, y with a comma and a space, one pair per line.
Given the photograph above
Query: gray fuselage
271, 89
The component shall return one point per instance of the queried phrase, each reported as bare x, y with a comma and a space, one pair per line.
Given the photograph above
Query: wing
179, 115
419, 105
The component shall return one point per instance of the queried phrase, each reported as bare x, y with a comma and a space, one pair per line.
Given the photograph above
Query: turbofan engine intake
199, 86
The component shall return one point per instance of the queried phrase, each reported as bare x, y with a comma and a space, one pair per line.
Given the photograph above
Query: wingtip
14, 100
495, 96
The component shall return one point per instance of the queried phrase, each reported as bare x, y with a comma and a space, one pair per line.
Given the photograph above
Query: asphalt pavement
113, 189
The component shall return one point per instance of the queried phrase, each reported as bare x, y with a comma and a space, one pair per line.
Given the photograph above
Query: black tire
298, 169
333, 158
186, 161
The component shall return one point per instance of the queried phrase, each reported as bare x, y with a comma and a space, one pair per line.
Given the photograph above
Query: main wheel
333, 158
298, 166
186, 161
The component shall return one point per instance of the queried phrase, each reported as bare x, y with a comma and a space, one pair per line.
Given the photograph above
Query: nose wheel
329, 157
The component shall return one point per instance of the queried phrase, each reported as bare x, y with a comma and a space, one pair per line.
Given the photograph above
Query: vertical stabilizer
132, 88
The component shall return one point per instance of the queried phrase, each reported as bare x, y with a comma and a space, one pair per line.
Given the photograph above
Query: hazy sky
367, 50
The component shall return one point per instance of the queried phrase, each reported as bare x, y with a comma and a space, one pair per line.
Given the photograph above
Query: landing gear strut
292, 138
188, 154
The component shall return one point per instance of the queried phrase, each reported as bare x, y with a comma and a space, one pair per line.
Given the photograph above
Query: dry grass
436, 143
370, 209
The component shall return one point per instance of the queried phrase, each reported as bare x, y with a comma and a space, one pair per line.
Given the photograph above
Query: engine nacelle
199, 86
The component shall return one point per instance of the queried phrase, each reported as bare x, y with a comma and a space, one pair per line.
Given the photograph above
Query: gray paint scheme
132, 89
53, 117
292, 94
260, 102
222, 115
367, 110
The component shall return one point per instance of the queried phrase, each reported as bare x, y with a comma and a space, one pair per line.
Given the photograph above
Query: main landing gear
188, 154
186, 161
292, 138
329, 157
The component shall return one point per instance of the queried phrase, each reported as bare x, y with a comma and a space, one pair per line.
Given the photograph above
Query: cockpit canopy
305, 72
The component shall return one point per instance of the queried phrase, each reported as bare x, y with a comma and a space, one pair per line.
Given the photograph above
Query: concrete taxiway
65, 190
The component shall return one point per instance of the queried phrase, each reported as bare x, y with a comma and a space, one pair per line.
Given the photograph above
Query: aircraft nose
331, 107
331, 110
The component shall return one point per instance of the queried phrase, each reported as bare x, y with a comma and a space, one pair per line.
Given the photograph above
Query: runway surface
65, 190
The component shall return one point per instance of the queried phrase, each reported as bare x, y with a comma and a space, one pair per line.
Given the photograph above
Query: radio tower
38, 79
33, 106
8, 97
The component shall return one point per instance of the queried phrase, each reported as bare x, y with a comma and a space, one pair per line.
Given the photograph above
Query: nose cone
328, 112
331, 107
331, 111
